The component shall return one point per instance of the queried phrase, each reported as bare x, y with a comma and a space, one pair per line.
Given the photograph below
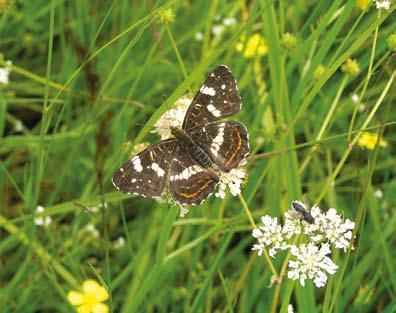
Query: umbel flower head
317, 236
174, 117
310, 261
90, 299
351, 67
166, 16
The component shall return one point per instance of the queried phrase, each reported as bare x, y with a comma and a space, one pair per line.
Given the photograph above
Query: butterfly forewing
226, 142
145, 173
218, 97
189, 183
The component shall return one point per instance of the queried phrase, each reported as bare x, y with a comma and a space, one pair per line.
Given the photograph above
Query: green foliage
89, 79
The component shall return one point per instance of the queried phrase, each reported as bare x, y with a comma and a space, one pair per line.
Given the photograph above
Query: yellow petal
100, 308
101, 294
262, 50
75, 298
90, 286
84, 309
239, 46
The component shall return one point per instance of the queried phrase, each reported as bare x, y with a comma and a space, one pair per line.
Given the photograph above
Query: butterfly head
179, 134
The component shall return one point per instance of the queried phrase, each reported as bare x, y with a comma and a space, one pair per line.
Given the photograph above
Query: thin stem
340, 164
325, 123
179, 58
369, 71
275, 298
251, 220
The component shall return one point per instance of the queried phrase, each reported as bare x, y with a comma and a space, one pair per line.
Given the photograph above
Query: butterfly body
188, 165
193, 149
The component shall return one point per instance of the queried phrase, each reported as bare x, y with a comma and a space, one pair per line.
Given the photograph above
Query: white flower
93, 209
119, 243
269, 235
229, 21
42, 220
18, 126
233, 179
217, 30
183, 211
355, 99
174, 117
90, 228
383, 4
166, 199
4, 75
290, 309
96, 209
292, 225
378, 193
337, 231
198, 36
311, 262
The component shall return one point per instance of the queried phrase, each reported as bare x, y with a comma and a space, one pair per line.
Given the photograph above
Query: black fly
303, 213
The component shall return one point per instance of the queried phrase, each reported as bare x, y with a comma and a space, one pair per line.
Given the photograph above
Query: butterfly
188, 165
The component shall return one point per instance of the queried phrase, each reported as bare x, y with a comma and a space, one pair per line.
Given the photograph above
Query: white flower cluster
269, 235
174, 117
233, 180
166, 199
311, 262
219, 28
385, 4
5, 73
310, 258
41, 219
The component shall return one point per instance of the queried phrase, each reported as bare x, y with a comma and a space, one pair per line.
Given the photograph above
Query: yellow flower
369, 140
255, 45
392, 42
166, 16
319, 71
363, 4
90, 299
289, 41
351, 67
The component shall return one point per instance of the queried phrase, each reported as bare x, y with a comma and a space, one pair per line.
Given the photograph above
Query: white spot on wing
213, 110
156, 168
137, 165
223, 86
208, 90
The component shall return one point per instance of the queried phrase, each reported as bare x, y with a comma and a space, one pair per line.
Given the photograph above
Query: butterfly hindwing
226, 142
190, 183
145, 173
218, 97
